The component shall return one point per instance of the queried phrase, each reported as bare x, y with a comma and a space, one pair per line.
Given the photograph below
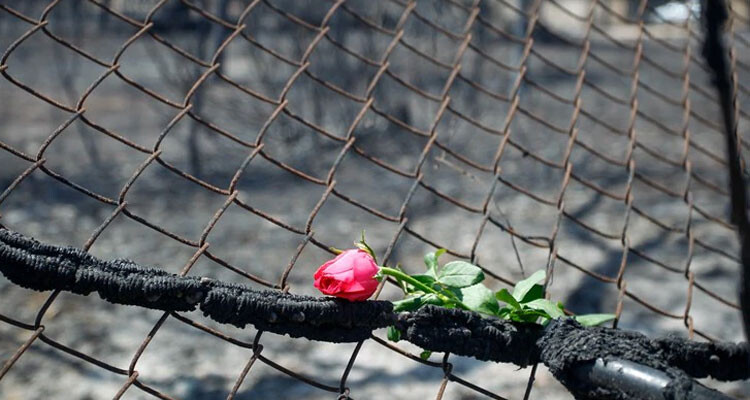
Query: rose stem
419, 285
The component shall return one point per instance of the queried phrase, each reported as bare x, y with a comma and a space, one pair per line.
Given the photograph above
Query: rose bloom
351, 275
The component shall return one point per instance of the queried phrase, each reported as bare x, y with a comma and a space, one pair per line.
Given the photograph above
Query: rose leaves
458, 285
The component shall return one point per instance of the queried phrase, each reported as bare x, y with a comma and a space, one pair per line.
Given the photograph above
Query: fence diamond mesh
240, 140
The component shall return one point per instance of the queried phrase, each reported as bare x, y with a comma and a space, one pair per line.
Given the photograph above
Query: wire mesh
241, 140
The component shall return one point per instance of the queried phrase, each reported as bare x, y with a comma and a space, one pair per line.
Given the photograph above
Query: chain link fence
240, 140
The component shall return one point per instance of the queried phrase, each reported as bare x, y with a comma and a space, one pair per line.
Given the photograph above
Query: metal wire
649, 43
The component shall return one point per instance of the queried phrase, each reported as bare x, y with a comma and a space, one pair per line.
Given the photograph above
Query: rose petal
344, 276
351, 275
326, 265
330, 285
355, 286
355, 296
346, 261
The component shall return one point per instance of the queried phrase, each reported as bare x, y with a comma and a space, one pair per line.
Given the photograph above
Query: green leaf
431, 260
513, 317
403, 286
425, 354
505, 296
527, 315
400, 282
480, 299
552, 310
424, 278
460, 274
593, 319
408, 304
536, 292
523, 287
394, 335
412, 303
432, 299
532, 316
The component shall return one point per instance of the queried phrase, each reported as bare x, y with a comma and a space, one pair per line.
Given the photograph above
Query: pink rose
351, 275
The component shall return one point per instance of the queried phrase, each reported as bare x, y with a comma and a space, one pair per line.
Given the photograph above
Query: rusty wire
596, 19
